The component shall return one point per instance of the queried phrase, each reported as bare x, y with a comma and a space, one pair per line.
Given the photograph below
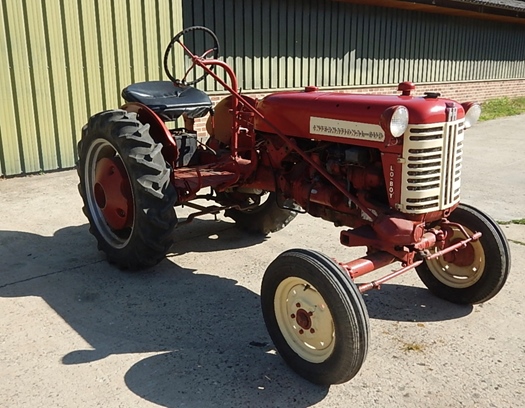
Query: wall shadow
213, 345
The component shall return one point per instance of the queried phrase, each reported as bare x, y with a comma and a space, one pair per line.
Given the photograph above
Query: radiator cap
406, 88
310, 88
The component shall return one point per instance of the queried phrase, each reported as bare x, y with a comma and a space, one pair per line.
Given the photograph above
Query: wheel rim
462, 268
304, 320
108, 193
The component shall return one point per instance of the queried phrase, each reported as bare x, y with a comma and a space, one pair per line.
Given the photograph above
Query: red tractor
388, 168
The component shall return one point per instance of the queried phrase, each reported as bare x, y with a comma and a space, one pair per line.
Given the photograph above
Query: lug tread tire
265, 219
154, 196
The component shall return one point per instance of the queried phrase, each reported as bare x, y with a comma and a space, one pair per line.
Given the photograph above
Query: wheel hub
112, 193
304, 319
461, 268
461, 257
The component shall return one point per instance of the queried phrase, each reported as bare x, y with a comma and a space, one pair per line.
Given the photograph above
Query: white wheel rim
304, 320
98, 149
456, 276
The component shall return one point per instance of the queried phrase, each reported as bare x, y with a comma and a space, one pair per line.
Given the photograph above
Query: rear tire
264, 218
479, 271
126, 189
315, 316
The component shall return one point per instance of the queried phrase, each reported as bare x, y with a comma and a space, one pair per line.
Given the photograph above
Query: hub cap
304, 319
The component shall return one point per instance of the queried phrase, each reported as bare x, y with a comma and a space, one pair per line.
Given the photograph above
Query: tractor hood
311, 113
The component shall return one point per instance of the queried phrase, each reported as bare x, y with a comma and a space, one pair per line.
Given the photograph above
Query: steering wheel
214, 52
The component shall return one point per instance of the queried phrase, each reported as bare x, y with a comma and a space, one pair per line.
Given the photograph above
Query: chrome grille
432, 157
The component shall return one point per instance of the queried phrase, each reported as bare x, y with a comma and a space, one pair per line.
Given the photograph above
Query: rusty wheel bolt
297, 305
310, 313
292, 316
301, 331
312, 331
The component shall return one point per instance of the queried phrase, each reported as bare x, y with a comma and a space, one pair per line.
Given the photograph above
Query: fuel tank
334, 115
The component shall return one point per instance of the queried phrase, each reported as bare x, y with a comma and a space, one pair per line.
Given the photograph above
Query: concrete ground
76, 332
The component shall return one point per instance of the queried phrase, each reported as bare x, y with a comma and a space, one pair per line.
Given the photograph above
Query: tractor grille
432, 167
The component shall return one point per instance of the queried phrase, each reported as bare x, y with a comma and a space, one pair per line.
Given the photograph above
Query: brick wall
478, 91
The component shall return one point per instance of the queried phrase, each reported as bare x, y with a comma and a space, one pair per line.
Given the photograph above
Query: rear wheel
126, 189
315, 316
473, 274
258, 211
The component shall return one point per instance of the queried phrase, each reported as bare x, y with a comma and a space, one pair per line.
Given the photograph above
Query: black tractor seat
168, 100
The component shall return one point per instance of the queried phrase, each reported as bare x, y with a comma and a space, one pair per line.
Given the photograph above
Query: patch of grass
501, 107
519, 222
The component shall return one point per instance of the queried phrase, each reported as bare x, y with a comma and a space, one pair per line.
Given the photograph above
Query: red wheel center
462, 256
112, 193
302, 317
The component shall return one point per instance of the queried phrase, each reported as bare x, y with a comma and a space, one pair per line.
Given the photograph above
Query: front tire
473, 274
315, 316
126, 189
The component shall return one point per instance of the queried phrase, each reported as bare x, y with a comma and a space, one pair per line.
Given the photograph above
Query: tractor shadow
211, 345
210, 235
402, 303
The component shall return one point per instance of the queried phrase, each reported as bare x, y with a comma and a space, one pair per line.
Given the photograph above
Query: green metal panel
291, 43
9, 146
66, 60
63, 61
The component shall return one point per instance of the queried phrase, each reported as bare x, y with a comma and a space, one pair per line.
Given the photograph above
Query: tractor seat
168, 100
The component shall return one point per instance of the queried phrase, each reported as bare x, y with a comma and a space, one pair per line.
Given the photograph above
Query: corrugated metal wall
293, 43
63, 60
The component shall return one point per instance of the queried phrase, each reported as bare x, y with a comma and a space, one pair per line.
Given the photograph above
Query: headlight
394, 120
472, 113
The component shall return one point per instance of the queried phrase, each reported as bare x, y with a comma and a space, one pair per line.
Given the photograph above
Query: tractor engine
359, 167
395, 153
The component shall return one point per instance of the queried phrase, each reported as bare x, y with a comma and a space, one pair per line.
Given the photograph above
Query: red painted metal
303, 319
406, 88
220, 175
376, 284
367, 264
113, 193
272, 128
386, 233
291, 111
461, 257
461, 244
392, 171
329, 189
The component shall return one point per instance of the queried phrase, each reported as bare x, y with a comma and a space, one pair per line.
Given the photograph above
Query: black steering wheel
212, 52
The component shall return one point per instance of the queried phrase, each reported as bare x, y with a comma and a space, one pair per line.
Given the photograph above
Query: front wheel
315, 316
473, 274
126, 189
